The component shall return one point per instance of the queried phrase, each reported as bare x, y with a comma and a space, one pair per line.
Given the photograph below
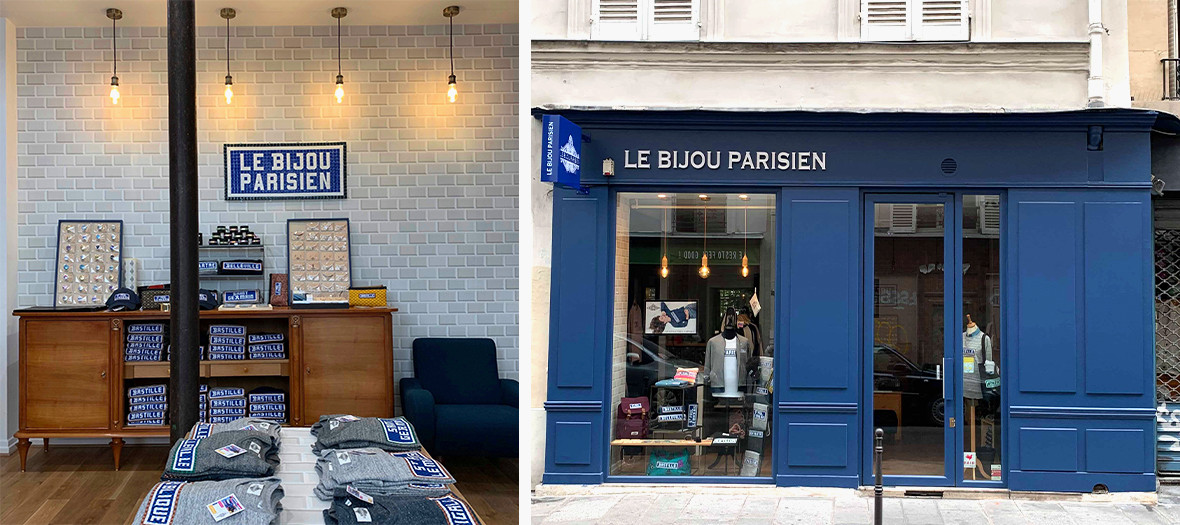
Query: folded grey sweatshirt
198, 459
400, 510
180, 503
377, 471
344, 432
270, 428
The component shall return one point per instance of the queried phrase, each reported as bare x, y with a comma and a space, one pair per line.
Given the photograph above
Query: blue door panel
1117, 450
817, 385
579, 327
1046, 274
1115, 305
1048, 449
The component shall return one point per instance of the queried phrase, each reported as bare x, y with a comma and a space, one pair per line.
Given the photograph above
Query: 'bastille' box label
731, 160
285, 171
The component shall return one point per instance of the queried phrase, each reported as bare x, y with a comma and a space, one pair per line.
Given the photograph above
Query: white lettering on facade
735, 160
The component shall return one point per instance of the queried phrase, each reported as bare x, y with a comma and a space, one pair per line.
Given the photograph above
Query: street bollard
878, 488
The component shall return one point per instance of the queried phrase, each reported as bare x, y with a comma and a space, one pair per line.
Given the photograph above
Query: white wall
8, 234
432, 187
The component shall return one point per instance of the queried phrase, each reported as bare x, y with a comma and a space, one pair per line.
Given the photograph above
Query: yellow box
366, 296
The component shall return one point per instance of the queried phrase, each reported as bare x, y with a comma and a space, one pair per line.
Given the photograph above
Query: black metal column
182, 206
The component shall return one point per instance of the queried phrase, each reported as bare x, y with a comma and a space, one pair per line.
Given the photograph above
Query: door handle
946, 366
309, 370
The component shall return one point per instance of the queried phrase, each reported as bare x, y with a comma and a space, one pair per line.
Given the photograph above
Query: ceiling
92, 13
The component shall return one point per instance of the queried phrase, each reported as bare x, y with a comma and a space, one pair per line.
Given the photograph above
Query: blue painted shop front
1073, 394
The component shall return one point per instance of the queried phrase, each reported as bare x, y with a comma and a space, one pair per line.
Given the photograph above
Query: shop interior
694, 336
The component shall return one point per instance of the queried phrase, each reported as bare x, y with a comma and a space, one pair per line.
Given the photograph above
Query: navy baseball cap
123, 299
207, 299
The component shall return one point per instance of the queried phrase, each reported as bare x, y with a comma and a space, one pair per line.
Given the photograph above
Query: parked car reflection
648, 362
921, 388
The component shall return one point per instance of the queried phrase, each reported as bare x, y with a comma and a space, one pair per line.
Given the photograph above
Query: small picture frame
319, 263
88, 266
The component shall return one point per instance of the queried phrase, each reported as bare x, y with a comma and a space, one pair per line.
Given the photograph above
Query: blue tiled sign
285, 171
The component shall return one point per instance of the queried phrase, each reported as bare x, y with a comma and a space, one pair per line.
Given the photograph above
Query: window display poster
670, 317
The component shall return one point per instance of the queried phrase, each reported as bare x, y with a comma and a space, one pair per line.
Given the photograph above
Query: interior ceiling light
703, 197
227, 13
664, 245
450, 12
338, 13
744, 197
114, 15
704, 269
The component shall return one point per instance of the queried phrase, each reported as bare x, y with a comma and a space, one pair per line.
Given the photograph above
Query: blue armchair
457, 402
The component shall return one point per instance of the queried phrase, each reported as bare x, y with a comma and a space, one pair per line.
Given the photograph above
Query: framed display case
319, 263
89, 262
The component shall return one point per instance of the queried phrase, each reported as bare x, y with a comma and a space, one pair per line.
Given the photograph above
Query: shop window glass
693, 349
981, 338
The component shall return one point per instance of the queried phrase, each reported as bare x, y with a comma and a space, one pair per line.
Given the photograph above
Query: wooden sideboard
73, 379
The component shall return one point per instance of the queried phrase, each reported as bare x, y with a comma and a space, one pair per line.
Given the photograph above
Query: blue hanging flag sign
285, 171
561, 152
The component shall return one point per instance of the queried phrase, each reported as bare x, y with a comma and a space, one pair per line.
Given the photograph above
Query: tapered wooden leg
46, 440
117, 449
22, 448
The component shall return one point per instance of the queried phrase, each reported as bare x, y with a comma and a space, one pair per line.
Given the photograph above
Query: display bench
73, 378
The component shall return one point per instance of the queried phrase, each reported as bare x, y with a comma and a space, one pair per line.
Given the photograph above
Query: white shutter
903, 218
615, 20
885, 20
675, 20
940, 20
989, 214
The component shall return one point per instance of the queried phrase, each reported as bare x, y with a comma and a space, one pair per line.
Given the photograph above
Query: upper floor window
906, 20
646, 20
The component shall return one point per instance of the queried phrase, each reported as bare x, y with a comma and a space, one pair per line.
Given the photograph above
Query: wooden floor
76, 485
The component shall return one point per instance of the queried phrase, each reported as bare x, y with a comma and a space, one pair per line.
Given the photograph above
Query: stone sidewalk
731, 505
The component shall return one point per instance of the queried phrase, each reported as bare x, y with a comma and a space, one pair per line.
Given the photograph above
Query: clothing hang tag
256, 448
230, 451
968, 460
255, 489
225, 507
358, 494
362, 515
755, 306
342, 457
968, 365
333, 424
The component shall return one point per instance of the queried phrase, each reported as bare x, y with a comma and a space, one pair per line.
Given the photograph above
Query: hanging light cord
452, 53
114, 51
705, 242
339, 69
664, 230
227, 46
745, 227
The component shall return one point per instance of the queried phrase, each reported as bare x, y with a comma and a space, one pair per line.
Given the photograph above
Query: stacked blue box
147, 405
145, 342
268, 351
267, 346
268, 403
203, 401
223, 347
226, 404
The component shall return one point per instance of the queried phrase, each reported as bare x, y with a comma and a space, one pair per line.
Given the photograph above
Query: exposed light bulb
745, 266
664, 267
229, 94
704, 270
114, 94
451, 91
339, 88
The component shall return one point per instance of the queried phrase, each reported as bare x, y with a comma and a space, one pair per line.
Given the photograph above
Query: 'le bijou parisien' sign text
730, 160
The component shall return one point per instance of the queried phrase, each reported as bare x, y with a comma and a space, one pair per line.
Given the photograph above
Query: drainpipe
1094, 87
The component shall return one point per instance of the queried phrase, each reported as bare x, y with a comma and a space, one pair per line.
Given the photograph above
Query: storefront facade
1028, 368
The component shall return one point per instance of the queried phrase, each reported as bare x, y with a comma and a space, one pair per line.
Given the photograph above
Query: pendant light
745, 235
227, 13
114, 15
338, 13
704, 269
450, 12
664, 247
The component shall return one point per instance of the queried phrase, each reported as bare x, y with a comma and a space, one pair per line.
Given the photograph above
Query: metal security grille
1167, 311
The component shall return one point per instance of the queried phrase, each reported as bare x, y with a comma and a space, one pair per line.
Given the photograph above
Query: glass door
911, 337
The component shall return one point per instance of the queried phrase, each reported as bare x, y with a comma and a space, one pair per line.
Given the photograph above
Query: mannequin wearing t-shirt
725, 356
977, 357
